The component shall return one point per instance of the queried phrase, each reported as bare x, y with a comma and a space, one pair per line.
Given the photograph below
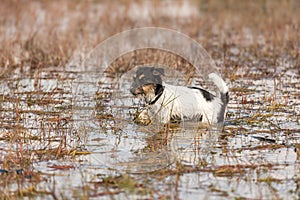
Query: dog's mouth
147, 92
143, 90
137, 91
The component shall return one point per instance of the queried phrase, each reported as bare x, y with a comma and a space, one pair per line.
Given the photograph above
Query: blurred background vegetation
48, 33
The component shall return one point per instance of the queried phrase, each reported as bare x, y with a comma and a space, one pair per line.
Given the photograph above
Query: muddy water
78, 137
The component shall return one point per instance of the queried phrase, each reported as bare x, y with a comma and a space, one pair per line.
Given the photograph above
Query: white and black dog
169, 102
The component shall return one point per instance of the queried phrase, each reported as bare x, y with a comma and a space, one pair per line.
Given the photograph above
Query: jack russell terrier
169, 102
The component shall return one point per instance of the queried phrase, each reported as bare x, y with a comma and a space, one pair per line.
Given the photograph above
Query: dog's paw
142, 118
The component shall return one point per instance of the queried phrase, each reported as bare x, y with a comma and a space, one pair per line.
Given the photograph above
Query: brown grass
40, 34
46, 33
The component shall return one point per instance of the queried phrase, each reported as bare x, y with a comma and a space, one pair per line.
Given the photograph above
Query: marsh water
68, 145
67, 132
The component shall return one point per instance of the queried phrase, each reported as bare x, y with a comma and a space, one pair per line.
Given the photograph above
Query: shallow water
255, 156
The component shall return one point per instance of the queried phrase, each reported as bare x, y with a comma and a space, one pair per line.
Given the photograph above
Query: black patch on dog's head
207, 95
147, 76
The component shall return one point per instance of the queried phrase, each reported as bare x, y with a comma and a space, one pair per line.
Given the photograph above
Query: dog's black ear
158, 71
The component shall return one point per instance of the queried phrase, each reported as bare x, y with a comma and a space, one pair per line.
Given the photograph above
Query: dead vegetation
251, 41
45, 33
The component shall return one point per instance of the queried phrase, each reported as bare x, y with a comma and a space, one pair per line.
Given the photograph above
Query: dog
170, 102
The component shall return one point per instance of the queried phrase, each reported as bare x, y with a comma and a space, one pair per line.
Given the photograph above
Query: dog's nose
132, 90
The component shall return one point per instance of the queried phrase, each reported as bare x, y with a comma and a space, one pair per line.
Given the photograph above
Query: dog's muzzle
136, 90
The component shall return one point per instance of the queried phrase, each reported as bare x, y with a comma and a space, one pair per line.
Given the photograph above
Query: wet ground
67, 133
56, 142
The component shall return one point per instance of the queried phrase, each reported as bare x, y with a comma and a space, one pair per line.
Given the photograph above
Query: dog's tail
218, 81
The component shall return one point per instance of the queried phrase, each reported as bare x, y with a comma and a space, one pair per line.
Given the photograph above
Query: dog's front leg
163, 113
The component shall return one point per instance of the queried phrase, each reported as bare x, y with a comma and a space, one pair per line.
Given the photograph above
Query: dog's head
147, 82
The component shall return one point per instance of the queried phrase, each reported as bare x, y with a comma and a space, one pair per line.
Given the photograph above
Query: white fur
185, 103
